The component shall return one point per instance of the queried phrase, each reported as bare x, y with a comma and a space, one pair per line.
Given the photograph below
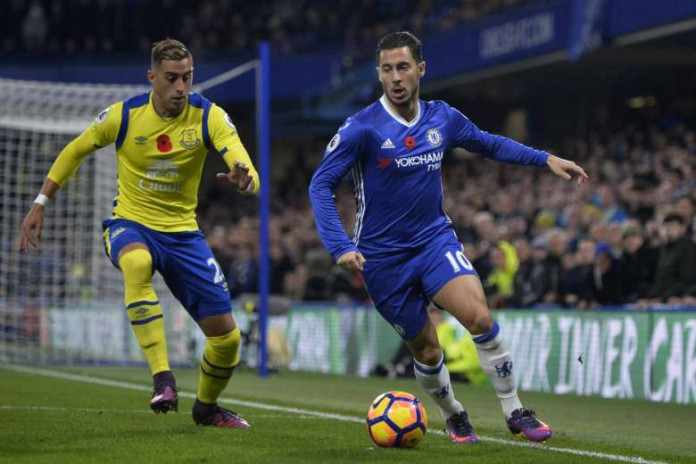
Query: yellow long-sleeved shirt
160, 160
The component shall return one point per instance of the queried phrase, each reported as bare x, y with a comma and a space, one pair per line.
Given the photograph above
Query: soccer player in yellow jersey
162, 138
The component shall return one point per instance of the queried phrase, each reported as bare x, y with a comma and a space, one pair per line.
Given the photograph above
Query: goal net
63, 302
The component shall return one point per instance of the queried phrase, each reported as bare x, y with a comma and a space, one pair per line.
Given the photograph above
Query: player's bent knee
225, 348
136, 266
230, 341
481, 323
217, 325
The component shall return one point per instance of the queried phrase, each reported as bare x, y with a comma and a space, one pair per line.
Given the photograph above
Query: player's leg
220, 357
126, 247
147, 320
196, 280
464, 298
433, 376
399, 298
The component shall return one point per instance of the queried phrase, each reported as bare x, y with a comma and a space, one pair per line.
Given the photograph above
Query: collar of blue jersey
385, 104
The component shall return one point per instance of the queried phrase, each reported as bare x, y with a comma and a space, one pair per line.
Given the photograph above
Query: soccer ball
396, 419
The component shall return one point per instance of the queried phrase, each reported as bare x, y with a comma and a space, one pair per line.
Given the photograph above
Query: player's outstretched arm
566, 169
100, 133
240, 178
32, 225
351, 261
506, 150
65, 165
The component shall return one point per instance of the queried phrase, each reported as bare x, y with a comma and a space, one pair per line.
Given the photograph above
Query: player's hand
31, 228
351, 261
239, 177
565, 169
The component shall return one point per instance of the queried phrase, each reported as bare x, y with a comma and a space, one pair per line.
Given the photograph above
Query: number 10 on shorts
459, 262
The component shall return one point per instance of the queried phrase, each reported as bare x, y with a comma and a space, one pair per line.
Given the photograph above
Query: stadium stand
291, 26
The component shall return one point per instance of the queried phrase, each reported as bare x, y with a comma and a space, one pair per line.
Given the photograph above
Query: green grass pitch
307, 418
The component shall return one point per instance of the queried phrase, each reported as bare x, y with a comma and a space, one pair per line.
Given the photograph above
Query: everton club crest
189, 139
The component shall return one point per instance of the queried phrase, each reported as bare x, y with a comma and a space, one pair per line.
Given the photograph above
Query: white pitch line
323, 415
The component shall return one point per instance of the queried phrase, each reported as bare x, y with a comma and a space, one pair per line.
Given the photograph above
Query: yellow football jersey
160, 160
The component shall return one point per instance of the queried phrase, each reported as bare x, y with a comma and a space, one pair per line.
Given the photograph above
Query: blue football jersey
396, 167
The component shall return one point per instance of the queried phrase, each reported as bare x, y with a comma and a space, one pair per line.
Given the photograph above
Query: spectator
243, 274
487, 233
536, 278
612, 211
546, 274
676, 264
281, 266
524, 295
638, 263
319, 265
499, 285
576, 280
607, 276
685, 207
218, 242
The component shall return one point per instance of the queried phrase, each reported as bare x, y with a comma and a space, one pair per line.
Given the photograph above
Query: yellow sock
144, 310
220, 356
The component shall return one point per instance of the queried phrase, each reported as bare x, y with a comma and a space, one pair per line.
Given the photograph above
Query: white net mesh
63, 303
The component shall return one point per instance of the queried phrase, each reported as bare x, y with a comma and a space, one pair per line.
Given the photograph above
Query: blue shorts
402, 284
182, 258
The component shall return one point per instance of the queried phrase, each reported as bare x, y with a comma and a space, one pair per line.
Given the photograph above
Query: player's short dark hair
398, 40
168, 49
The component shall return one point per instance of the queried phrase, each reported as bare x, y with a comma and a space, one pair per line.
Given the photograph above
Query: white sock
496, 362
435, 380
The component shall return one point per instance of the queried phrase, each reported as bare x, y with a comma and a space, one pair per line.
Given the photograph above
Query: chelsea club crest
434, 137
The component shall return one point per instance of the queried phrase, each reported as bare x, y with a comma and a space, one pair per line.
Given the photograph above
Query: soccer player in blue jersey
162, 138
404, 243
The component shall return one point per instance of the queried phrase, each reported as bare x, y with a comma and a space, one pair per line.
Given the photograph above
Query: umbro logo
140, 140
116, 233
388, 144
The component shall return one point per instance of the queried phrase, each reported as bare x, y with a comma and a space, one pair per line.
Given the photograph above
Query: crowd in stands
627, 237
292, 26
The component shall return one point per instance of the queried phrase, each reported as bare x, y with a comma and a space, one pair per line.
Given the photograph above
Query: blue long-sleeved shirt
396, 166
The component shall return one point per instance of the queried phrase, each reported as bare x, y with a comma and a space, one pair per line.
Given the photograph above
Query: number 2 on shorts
219, 277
